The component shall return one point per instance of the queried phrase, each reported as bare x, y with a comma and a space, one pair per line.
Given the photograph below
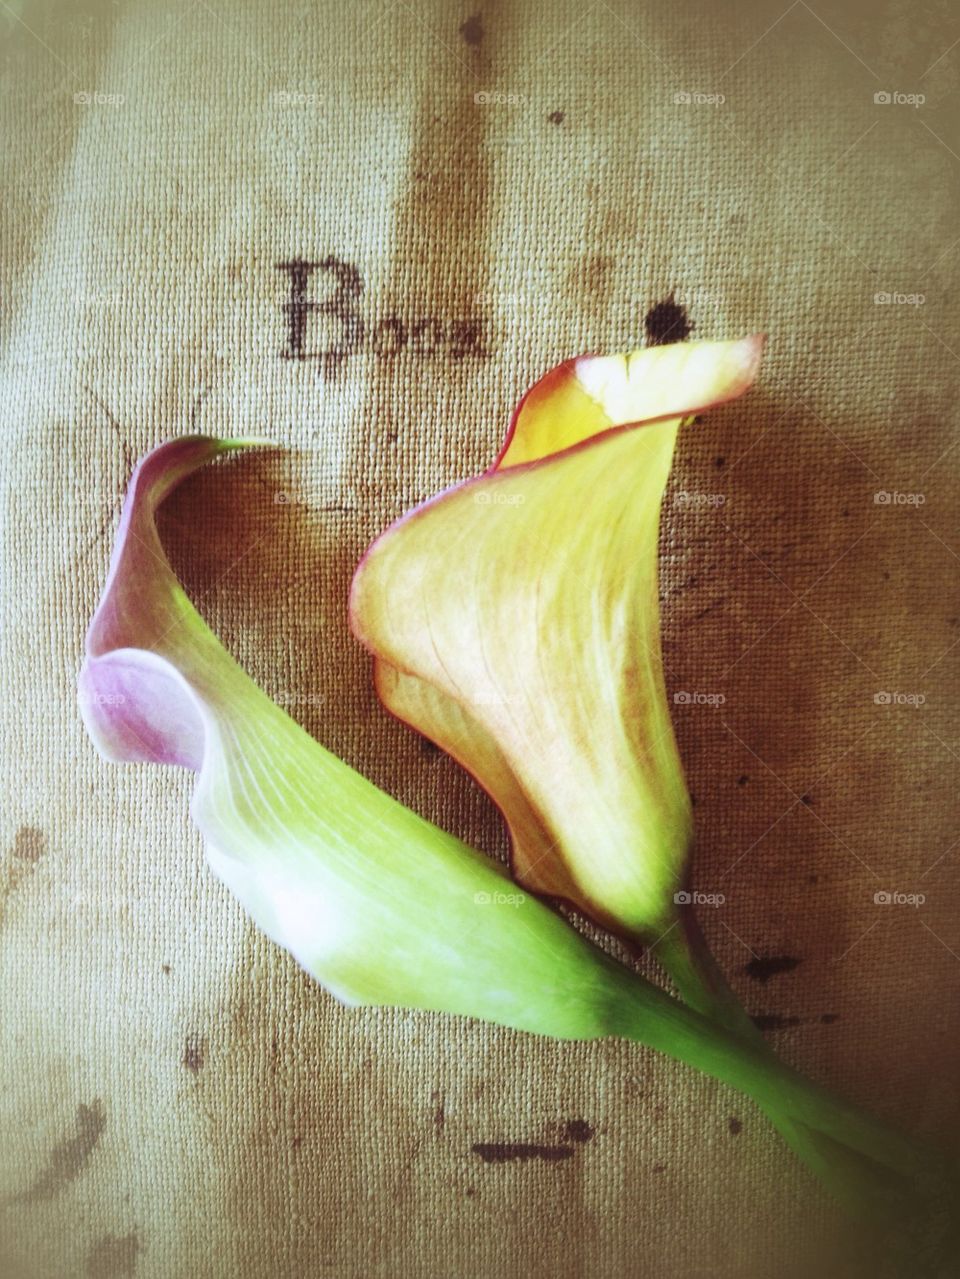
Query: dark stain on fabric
555, 117
113, 1257
472, 30
773, 1021
776, 1021
578, 1130
666, 322
508, 1151
659, 1168
762, 967
30, 844
807, 800
742, 781
428, 748
194, 1051
67, 1160
439, 1112
734, 1126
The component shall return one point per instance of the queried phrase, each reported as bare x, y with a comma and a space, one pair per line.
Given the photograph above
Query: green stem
653, 1017
864, 1189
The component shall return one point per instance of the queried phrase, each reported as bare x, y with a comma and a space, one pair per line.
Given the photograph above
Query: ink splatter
555, 117
666, 322
762, 968
578, 1130
506, 1152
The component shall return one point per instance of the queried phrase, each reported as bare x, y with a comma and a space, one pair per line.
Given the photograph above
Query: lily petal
378, 904
515, 620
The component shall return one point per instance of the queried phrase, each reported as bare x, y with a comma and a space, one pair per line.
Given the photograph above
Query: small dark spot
734, 1126
506, 1152
471, 1191
659, 1168
297, 1141
578, 1130
193, 1053
666, 322
428, 748
66, 1161
742, 781
813, 879
827, 1019
774, 1021
807, 799
472, 30
694, 801
845, 513
762, 967
112, 1258
30, 844
165, 968
719, 461
555, 117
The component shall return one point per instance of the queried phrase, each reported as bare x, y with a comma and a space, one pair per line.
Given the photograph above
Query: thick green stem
864, 1188
651, 1016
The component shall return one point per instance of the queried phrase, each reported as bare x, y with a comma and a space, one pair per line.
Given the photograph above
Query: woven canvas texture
362, 231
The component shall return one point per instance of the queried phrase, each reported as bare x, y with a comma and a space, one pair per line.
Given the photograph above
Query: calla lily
378, 904
514, 619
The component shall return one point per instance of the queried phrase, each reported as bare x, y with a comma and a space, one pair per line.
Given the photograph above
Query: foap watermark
685, 498
698, 699
96, 98
685, 98
499, 899
497, 98
883, 298
893, 98
107, 699
296, 98
900, 699
695, 898
893, 497
899, 899
483, 497
294, 697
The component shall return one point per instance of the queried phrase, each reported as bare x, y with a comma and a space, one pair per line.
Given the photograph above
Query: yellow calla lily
514, 620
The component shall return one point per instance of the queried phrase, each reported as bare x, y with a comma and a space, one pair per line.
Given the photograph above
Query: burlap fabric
363, 232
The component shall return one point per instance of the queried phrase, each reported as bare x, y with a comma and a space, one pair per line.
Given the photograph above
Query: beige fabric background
177, 1098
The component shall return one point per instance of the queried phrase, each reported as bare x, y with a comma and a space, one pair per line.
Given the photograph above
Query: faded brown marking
734, 1126
113, 1257
472, 30
194, 1051
29, 845
66, 1161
